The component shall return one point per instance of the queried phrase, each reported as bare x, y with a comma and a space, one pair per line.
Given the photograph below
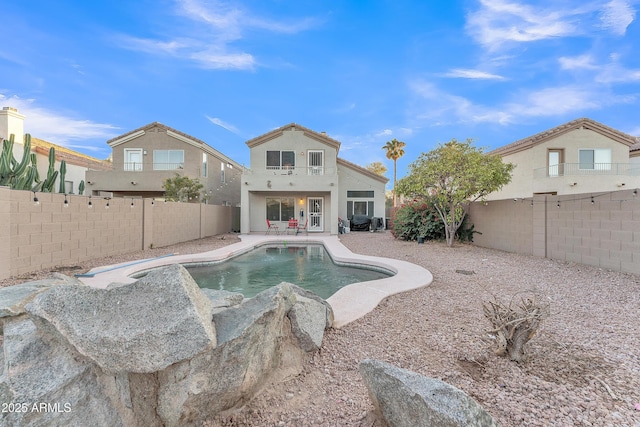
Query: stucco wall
48, 234
351, 180
605, 233
525, 184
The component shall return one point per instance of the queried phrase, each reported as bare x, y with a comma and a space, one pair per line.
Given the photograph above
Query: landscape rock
145, 326
252, 342
405, 398
153, 352
52, 380
14, 298
221, 299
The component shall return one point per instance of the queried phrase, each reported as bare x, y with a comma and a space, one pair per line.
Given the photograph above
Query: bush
419, 219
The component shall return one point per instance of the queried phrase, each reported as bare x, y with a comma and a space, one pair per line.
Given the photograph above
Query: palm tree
394, 151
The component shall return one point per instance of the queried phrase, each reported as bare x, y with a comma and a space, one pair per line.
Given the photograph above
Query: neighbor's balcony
592, 169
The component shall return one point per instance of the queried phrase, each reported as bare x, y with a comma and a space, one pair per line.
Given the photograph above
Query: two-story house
577, 157
295, 173
77, 164
145, 157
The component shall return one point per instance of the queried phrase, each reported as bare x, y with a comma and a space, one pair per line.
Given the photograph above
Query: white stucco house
580, 156
295, 173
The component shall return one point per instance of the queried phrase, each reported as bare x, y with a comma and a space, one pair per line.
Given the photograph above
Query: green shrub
419, 219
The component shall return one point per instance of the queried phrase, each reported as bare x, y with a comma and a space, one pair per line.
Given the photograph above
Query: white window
205, 167
222, 177
133, 159
168, 160
360, 202
316, 162
281, 160
595, 159
68, 187
281, 208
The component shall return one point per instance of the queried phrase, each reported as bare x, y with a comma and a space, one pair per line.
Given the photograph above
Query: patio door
315, 210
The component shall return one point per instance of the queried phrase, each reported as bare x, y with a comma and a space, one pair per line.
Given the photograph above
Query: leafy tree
182, 189
452, 176
394, 151
377, 167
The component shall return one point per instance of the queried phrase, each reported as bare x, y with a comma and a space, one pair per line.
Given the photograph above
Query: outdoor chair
272, 227
293, 226
299, 229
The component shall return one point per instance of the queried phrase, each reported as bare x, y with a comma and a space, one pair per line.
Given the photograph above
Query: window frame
165, 166
286, 208
597, 154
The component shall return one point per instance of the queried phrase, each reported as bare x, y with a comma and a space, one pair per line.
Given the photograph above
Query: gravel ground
583, 367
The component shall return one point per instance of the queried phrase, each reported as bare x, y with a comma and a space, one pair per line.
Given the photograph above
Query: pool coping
349, 303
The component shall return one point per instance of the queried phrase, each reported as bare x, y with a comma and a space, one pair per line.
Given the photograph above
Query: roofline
174, 133
586, 123
318, 136
362, 170
69, 156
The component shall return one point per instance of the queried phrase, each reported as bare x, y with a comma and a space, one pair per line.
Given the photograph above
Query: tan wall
525, 184
48, 234
605, 233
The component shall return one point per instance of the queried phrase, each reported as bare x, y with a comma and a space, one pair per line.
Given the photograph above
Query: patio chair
299, 229
272, 227
293, 226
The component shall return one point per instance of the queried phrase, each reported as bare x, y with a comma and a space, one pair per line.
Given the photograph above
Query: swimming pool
306, 265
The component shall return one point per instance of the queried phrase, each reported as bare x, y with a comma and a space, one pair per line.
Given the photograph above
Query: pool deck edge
349, 303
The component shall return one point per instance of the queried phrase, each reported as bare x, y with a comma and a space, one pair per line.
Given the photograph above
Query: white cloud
56, 127
210, 29
472, 74
577, 62
617, 15
219, 122
386, 132
498, 22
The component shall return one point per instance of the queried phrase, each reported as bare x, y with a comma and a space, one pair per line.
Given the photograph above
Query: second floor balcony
588, 169
292, 171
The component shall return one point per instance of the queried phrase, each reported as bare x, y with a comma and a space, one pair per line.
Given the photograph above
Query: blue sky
365, 72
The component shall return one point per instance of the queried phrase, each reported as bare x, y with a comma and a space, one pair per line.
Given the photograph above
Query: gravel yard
584, 364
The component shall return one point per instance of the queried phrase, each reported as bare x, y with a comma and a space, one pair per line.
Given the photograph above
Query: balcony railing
137, 167
591, 169
292, 170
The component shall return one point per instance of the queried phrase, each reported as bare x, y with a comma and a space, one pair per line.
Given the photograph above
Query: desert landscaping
583, 365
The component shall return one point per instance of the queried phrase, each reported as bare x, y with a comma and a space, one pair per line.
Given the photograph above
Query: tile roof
546, 135
70, 156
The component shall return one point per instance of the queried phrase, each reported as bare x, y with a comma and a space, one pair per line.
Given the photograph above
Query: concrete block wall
49, 235
504, 224
600, 229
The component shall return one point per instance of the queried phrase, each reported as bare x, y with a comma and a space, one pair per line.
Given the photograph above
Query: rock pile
157, 352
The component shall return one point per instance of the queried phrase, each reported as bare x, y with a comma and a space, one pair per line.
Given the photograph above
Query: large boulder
55, 385
14, 298
405, 398
255, 343
141, 327
310, 315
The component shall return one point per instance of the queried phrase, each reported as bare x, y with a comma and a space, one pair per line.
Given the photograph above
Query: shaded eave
362, 170
318, 136
582, 123
129, 136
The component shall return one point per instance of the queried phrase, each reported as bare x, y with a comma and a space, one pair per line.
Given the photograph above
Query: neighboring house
12, 122
581, 156
296, 173
145, 157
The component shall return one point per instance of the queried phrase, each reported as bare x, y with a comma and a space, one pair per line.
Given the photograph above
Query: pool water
308, 266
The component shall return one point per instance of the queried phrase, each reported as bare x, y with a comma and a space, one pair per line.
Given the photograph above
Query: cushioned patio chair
272, 227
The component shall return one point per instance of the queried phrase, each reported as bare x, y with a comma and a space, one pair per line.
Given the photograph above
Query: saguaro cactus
81, 187
52, 174
63, 172
12, 171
